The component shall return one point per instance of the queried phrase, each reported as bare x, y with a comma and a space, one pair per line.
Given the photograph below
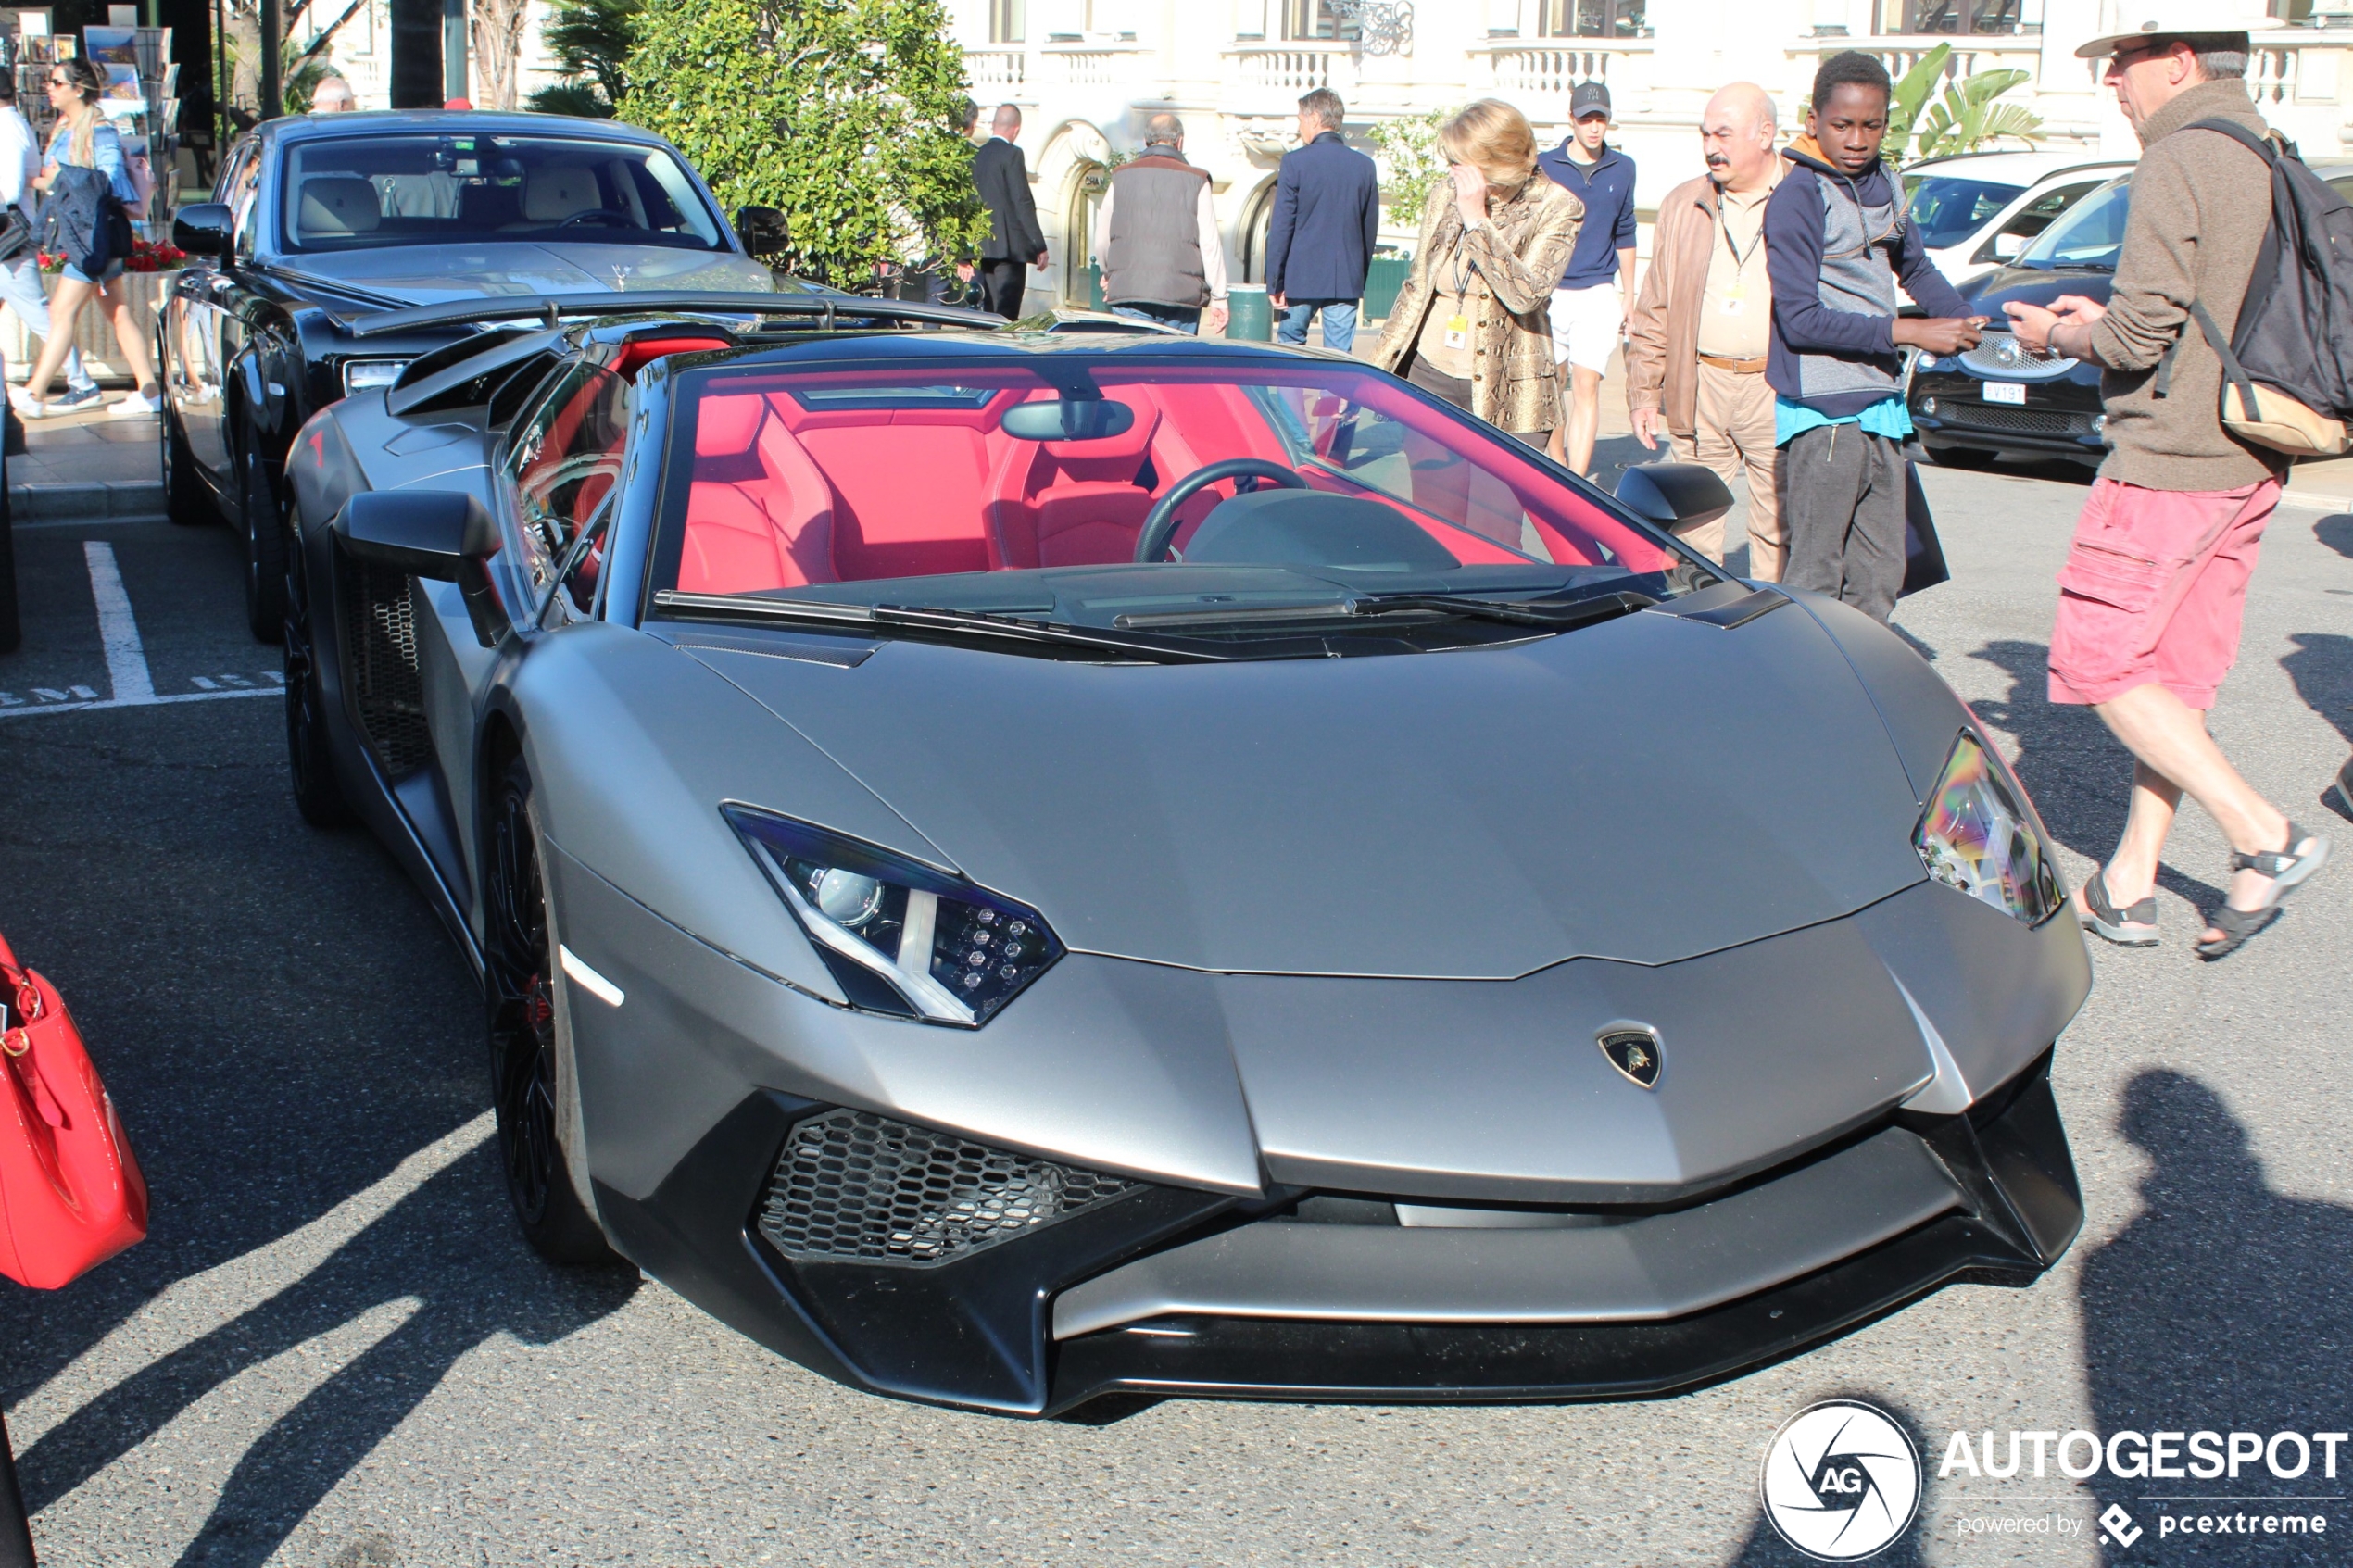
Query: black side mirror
443, 534
204, 227
1675, 495
762, 229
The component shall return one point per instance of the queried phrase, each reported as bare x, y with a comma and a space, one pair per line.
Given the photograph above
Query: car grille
2001, 355
851, 1185
1997, 420
380, 663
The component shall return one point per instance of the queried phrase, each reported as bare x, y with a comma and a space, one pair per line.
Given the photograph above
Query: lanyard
1724, 227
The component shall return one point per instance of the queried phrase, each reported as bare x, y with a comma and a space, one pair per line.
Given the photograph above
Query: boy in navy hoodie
1835, 243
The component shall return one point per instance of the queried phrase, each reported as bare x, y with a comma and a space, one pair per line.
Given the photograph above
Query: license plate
2005, 392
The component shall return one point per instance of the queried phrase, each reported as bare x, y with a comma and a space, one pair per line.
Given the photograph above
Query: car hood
435, 275
2034, 285
1646, 789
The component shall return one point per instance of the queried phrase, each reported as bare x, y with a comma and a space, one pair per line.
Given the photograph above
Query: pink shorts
2154, 589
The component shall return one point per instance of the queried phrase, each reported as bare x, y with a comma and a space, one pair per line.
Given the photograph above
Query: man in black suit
1320, 238
1015, 242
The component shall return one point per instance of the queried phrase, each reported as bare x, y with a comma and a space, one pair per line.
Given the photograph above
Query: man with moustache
1698, 338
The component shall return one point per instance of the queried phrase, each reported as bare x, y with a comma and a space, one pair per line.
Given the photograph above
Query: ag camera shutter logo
1842, 1481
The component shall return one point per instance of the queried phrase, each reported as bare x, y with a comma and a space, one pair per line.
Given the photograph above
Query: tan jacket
1662, 349
1521, 251
2201, 203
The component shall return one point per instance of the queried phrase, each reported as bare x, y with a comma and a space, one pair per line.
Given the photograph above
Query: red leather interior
639, 352
785, 494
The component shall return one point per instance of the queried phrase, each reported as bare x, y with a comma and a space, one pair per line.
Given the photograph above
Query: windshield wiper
1553, 615
964, 623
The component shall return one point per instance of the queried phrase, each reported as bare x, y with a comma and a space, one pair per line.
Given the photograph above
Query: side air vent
380, 663
854, 1186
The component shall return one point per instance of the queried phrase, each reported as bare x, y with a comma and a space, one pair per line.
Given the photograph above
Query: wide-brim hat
2174, 18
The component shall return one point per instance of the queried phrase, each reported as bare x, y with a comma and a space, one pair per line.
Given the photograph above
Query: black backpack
2287, 371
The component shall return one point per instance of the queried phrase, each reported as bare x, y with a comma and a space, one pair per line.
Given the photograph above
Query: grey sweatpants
1842, 506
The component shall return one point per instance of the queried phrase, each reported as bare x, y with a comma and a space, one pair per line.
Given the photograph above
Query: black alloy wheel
185, 498
265, 534
522, 1040
318, 792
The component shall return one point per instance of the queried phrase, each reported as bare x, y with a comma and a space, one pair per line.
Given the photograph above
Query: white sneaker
135, 407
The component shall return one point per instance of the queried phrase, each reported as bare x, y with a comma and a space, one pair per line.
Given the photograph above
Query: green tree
590, 40
1406, 151
1965, 118
840, 113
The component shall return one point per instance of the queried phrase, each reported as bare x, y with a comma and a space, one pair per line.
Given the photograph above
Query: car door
198, 325
558, 463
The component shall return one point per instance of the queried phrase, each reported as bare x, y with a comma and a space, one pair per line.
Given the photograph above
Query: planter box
94, 334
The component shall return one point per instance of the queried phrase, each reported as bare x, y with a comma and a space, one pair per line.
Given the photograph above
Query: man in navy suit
1014, 244
1320, 238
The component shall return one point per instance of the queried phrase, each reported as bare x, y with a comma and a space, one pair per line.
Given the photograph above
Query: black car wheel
185, 498
318, 792
265, 534
522, 1040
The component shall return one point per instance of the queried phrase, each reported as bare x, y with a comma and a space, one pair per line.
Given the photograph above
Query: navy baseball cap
1591, 97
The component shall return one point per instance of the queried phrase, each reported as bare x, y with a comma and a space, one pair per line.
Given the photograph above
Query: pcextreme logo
1842, 1481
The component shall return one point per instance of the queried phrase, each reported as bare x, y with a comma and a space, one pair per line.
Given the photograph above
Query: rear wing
826, 310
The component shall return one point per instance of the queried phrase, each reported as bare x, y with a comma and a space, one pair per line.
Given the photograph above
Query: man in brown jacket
1698, 339
2155, 586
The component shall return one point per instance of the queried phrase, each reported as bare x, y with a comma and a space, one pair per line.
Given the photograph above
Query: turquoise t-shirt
1888, 417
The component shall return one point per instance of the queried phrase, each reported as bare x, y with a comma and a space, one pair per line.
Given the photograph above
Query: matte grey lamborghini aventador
1015, 866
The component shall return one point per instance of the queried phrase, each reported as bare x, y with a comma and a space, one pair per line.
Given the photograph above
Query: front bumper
2058, 417
1138, 1295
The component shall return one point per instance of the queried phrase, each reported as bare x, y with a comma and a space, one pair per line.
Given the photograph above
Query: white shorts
1586, 323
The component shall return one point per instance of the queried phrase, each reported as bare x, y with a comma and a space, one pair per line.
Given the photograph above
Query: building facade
1087, 73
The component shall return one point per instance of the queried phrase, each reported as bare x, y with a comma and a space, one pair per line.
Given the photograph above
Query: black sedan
2002, 397
320, 221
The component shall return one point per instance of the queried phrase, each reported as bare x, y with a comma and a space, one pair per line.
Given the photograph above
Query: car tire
1960, 456
185, 499
524, 1041
265, 539
309, 762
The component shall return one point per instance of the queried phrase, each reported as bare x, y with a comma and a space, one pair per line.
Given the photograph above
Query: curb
2306, 498
107, 501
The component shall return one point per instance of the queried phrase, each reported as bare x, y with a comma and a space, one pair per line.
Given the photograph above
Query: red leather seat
759, 513
1078, 502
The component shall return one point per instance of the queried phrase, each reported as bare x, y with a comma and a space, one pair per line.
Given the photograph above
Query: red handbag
70, 1193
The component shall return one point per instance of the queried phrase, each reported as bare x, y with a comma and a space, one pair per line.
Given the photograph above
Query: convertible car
1014, 867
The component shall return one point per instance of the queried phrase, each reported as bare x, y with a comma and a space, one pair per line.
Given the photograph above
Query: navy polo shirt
1607, 190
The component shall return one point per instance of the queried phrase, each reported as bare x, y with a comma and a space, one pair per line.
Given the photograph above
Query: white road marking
206, 684
64, 707
117, 629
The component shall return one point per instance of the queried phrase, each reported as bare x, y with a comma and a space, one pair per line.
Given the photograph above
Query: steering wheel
1161, 526
595, 215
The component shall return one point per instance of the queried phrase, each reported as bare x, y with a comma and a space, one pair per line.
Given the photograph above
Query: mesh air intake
854, 1186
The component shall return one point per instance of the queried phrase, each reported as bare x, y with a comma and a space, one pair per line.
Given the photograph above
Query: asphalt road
334, 1349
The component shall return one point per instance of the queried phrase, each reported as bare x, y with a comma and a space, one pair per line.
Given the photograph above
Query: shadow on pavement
2256, 1323
2321, 668
2336, 532
2080, 777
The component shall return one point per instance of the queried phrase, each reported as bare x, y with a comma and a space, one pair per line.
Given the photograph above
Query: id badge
1458, 331
1735, 299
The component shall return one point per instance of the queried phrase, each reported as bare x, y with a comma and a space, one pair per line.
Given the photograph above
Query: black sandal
2289, 869
2103, 920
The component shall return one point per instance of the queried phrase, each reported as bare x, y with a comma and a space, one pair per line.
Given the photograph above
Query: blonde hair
1494, 137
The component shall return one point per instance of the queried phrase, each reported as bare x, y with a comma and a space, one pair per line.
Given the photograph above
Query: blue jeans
20, 286
1183, 317
1340, 322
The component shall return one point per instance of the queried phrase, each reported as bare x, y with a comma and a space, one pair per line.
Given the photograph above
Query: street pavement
334, 1349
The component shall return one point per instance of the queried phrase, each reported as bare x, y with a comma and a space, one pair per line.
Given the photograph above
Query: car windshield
2089, 235
1024, 490
1945, 209
368, 192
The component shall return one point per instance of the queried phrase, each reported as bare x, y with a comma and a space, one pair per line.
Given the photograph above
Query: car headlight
1975, 836
899, 936
359, 375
